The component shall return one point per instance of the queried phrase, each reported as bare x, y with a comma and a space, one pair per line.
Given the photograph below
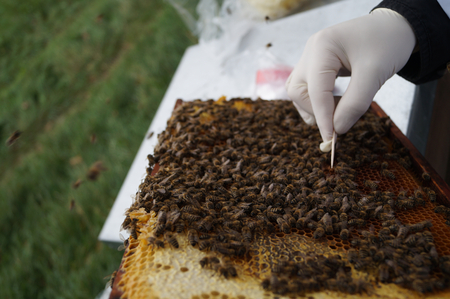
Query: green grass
70, 69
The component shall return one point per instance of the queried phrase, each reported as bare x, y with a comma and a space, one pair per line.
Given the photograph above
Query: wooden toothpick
333, 143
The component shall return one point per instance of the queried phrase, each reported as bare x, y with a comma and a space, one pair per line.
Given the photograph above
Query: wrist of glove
371, 48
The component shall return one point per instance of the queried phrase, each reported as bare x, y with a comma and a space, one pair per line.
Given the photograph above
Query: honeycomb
151, 272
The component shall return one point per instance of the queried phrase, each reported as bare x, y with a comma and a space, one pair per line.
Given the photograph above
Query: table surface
204, 74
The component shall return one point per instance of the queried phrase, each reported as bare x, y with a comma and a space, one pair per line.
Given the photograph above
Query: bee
190, 217
208, 261
95, 170
246, 234
289, 189
275, 210
110, 283
426, 176
431, 195
383, 273
387, 173
391, 156
328, 223
77, 184
289, 219
205, 224
422, 286
283, 225
133, 229
204, 245
319, 233
223, 249
13, 137
384, 165
179, 226
357, 222
418, 193
155, 242
171, 239
193, 237
420, 226
442, 210
362, 262
344, 234
403, 162
352, 255
379, 256
125, 243
370, 184
403, 231
231, 270
162, 215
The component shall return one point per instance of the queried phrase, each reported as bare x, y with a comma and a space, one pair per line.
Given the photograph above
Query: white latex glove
372, 48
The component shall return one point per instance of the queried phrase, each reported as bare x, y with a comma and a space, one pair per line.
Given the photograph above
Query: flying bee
77, 184
370, 184
171, 239
387, 173
125, 243
110, 283
193, 237
95, 170
13, 138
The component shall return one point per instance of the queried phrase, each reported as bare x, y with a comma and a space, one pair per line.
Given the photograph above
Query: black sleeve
432, 28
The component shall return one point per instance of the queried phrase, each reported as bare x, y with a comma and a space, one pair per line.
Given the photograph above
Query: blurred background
80, 82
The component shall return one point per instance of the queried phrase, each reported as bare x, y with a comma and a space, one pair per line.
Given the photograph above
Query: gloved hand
371, 48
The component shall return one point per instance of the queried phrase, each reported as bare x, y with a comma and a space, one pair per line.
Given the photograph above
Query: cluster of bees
230, 171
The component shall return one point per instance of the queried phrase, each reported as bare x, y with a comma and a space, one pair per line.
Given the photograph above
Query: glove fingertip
326, 146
